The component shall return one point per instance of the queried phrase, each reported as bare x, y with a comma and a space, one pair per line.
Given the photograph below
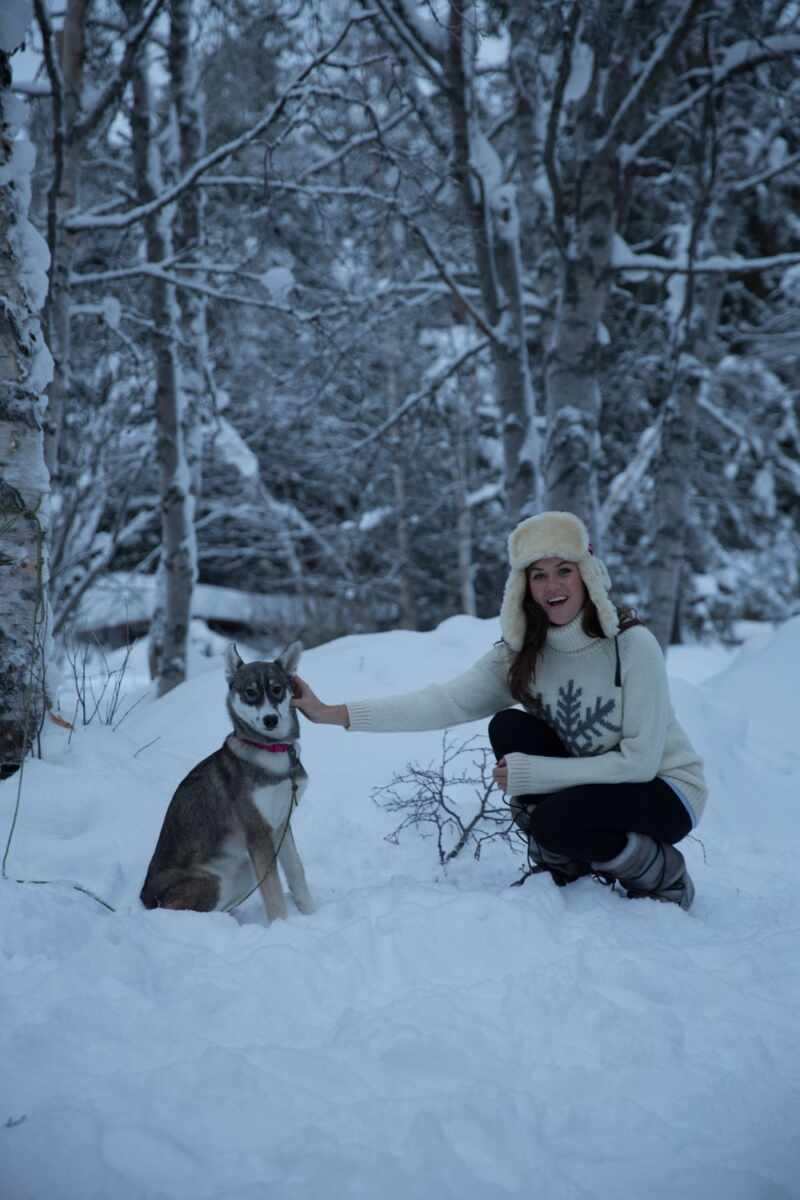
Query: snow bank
423, 1035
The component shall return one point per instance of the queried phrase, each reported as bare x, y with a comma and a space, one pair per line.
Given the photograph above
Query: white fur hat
552, 535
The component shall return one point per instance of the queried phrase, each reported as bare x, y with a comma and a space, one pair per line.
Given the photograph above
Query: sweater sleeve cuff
521, 777
359, 715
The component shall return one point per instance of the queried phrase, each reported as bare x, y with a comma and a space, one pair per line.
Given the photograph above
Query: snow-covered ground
424, 1035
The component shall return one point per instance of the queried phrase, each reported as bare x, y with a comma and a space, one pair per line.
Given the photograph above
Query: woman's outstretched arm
475, 694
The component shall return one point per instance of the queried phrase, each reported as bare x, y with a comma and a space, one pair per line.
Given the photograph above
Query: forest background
308, 302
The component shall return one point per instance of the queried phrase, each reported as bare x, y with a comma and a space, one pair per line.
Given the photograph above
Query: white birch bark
64, 198
178, 565
491, 206
189, 235
466, 565
406, 595
25, 372
408, 607
695, 305
673, 498
573, 389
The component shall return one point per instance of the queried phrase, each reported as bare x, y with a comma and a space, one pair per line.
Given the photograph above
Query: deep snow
424, 1034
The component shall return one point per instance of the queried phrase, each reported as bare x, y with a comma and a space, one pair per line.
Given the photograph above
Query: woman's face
557, 587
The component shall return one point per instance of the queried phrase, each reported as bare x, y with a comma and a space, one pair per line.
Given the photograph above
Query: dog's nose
271, 721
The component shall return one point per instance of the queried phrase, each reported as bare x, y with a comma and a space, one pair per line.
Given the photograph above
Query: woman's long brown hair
522, 672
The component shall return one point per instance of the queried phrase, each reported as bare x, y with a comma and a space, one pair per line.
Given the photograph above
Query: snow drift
423, 1035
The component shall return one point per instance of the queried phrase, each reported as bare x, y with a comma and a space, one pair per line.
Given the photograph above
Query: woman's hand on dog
310, 705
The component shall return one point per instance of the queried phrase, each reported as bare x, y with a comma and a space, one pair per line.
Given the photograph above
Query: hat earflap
595, 576
512, 615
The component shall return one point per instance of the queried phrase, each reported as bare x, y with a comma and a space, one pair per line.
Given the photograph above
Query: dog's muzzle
271, 721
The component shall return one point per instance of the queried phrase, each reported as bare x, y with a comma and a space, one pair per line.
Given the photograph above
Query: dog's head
259, 694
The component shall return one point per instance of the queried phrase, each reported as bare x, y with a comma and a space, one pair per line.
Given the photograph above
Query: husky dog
227, 826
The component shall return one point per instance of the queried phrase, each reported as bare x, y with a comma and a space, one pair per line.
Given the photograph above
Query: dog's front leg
295, 875
265, 864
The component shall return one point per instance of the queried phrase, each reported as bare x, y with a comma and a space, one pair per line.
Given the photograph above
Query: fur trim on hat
552, 535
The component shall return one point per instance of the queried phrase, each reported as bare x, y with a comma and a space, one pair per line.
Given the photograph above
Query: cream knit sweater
614, 734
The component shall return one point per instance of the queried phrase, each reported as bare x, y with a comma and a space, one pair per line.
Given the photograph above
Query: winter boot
564, 870
649, 868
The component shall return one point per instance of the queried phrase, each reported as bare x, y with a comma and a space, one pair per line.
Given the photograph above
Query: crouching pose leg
513, 731
626, 831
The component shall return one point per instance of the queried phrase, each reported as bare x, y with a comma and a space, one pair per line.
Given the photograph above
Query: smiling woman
601, 776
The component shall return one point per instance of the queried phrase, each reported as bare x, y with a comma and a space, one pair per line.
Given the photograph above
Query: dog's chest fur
268, 785
274, 801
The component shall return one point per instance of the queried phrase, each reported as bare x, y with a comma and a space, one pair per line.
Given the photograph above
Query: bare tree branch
715, 265
553, 117
447, 276
744, 185
659, 60
743, 56
113, 92
142, 211
411, 40
417, 398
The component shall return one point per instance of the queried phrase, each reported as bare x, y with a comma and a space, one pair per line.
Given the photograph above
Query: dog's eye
251, 692
276, 690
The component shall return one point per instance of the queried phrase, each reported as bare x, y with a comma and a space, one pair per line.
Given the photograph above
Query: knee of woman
503, 725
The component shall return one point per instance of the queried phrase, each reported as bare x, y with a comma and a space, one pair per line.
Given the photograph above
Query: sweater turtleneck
570, 638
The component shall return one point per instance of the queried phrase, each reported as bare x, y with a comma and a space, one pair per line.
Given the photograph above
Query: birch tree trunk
177, 569
408, 607
600, 88
699, 354
466, 566
405, 554
63, 198
491, 206
25, 371
189, 237
673, 492
573, 388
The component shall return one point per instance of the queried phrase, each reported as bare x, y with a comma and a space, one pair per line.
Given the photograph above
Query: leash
294, 759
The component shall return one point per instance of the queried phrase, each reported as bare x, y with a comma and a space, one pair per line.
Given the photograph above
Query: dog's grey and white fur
227, 826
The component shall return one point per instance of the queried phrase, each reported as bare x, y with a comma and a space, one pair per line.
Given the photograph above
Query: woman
602, 778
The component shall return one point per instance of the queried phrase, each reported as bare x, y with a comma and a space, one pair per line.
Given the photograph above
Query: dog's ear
290, 657
232, 662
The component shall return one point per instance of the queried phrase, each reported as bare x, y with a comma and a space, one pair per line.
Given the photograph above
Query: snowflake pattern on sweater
583, 730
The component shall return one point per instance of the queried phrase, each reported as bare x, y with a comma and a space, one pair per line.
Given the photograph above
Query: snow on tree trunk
408, 607
573, 388
177, 569
189, 235
700, 352
406, 595
673, 492
466, 566
63, 200
25, 372
491, 206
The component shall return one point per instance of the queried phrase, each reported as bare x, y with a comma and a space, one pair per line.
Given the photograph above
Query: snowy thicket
420, 256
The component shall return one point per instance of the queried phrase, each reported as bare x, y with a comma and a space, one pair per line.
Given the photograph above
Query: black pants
589, 822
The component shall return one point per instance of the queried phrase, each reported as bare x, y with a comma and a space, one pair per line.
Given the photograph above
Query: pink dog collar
273, 747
